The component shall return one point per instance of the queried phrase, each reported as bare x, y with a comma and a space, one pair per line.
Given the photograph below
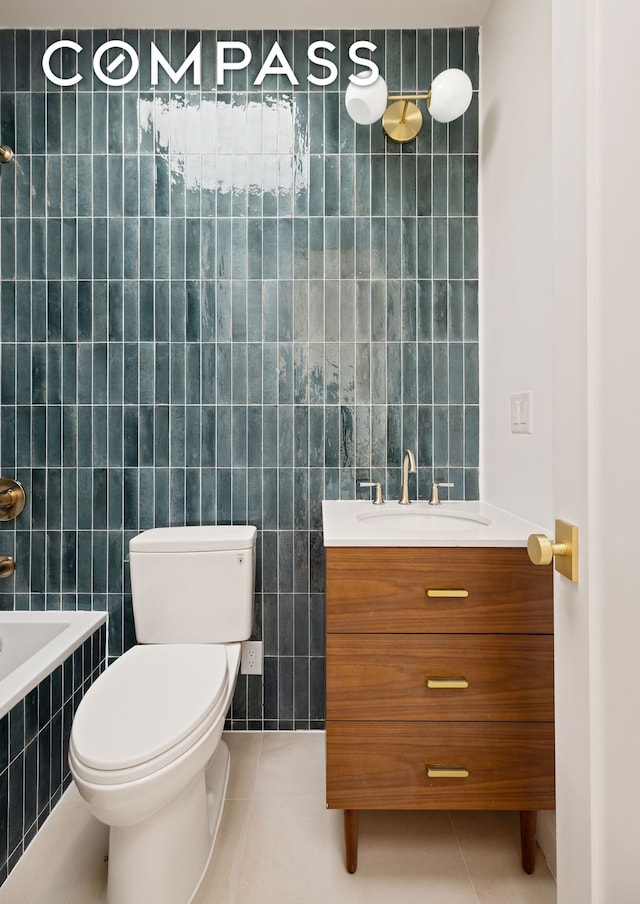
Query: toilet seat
147, 709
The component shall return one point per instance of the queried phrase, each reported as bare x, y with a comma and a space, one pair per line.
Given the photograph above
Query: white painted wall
574, 605
515, 254
516, 268
613, 405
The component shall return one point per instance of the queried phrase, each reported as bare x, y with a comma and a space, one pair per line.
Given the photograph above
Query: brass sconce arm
426, 96
402, 119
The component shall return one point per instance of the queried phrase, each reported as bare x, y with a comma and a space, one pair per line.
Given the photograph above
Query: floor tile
227, 862
491, 845
244, 748
278, 844
294, 853
291, 764
65, 863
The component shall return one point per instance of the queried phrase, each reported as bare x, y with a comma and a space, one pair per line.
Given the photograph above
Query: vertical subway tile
471, 436
456, 373
218, 305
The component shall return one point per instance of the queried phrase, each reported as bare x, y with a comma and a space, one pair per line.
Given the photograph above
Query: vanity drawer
384, 676
385, 590
371, 765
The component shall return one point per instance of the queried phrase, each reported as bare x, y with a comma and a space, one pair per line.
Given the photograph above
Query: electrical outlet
251, 659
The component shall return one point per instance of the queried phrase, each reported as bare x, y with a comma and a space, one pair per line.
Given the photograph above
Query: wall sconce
448, 98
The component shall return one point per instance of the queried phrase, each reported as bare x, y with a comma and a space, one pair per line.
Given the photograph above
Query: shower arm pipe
6, 154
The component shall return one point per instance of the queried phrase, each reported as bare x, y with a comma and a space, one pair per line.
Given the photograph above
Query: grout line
235, 888
461, 848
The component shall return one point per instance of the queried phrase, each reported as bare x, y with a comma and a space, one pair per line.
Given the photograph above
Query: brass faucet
408, 467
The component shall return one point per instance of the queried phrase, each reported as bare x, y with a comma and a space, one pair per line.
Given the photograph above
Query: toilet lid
147, 702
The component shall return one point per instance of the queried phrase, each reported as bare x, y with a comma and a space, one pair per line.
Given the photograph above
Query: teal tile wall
223, 306
34, 747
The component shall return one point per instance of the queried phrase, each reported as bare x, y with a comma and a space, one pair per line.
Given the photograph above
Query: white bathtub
33, 644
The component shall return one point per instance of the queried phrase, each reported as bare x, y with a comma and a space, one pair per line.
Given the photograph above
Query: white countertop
360, 523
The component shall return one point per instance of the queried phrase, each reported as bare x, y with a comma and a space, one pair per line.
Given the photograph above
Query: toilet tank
193, 584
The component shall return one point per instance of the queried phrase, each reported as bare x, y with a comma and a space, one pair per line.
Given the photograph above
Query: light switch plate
522, 412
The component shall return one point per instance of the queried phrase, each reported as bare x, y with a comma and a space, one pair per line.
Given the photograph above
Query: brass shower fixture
7, 567
6, 154
12, 498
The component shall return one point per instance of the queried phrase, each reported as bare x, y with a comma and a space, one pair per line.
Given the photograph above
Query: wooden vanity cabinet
439, 683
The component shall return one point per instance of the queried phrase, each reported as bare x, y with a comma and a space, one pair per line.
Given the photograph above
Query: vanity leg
528, 819
351, 838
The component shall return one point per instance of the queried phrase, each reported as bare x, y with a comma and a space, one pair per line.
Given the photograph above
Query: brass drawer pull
446, 682
444, 594
442, 771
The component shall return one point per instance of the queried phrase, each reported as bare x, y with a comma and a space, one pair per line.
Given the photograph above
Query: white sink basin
350, 522
421, 520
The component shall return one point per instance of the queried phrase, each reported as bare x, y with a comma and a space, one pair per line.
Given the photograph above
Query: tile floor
278, 844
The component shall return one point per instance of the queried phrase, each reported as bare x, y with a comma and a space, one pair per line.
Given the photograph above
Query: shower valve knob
7, 566
12, 498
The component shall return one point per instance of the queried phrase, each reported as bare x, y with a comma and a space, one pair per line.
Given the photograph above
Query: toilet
145, 750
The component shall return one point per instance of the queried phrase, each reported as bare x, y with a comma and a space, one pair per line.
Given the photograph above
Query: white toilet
145, 749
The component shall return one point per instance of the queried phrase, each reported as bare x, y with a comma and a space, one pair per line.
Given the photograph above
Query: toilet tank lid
206, 538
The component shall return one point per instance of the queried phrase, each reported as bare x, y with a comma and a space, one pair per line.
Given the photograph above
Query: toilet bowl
142, 756
145, 749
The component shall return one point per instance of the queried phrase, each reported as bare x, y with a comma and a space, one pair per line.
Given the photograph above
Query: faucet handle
371, 483
435, 499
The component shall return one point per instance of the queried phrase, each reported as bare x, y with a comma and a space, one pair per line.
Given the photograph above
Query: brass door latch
564, 550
